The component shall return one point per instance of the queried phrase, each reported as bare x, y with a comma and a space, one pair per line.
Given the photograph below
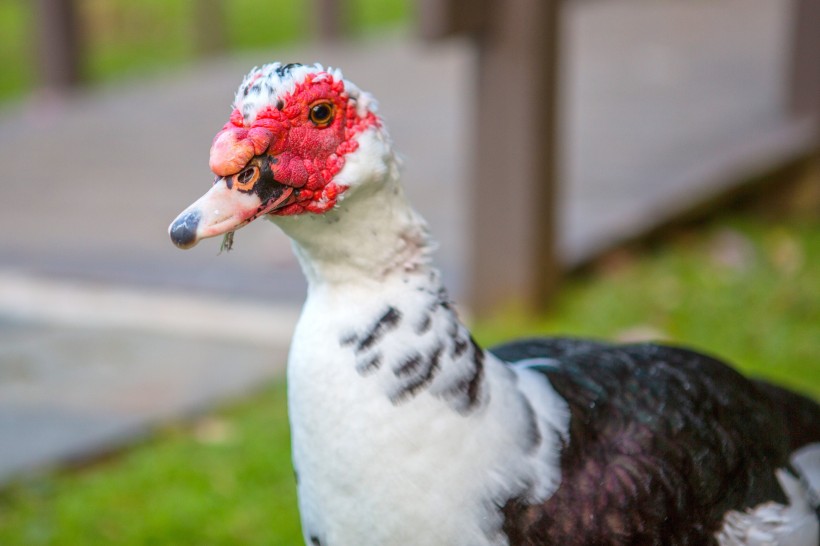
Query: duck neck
371, 235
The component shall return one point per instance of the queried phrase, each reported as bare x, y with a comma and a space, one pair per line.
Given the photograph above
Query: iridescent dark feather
662, 443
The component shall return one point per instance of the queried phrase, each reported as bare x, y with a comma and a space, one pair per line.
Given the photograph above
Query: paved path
85, 368
105, 327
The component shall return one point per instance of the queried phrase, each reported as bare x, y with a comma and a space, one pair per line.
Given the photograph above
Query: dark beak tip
183, 229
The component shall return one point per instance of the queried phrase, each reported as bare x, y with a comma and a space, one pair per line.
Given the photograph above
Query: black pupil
321, 112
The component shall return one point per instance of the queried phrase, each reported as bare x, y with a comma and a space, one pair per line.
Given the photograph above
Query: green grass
226, 480
122, 37
745, 289
17, 73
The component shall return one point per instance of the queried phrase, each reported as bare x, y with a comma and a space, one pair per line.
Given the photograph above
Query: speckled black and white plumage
406, 432
436, 336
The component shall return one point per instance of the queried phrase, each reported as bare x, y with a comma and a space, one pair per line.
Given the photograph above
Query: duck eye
321, 113
246, 176
245, 179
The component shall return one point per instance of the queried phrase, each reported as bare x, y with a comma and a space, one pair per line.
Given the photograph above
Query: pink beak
231, 203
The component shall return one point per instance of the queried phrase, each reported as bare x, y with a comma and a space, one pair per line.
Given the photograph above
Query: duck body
566, 441
406, 432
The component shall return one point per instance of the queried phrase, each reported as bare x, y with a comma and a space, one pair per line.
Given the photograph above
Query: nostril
183, 230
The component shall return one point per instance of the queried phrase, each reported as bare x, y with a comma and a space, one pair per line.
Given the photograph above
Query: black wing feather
663, 441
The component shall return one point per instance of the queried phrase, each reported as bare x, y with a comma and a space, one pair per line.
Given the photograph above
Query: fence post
512, 220
512, 217
58, 44
805, 65
210, 32
331, 19
442, 18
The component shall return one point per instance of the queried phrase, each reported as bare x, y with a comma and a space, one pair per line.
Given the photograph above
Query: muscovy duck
406, 432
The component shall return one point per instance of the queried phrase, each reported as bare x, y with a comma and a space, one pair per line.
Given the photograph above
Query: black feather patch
286, 69
408, 365
464, 394
369, 364
388, 321
459, 346
421, 372
424, 324
662, 443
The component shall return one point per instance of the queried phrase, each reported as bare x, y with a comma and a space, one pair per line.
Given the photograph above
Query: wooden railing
512, 219
59, 54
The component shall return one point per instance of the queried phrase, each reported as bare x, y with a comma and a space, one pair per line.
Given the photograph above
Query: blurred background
628, 169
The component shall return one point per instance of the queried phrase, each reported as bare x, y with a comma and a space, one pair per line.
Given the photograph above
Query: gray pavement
106, 329
67, 393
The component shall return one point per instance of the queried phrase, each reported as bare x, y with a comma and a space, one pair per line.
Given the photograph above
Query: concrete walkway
106, 328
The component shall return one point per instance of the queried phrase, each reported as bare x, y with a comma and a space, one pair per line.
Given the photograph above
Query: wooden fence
512, 219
